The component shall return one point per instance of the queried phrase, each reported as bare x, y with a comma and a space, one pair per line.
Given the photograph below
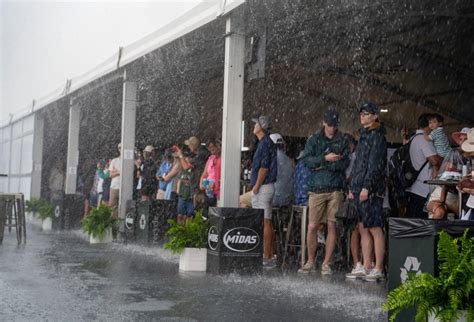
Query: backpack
401, 173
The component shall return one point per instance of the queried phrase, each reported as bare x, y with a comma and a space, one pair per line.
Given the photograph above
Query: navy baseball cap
331, 117
370, 107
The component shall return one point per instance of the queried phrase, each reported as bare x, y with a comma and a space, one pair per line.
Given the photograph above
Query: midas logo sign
241, 239
213, 238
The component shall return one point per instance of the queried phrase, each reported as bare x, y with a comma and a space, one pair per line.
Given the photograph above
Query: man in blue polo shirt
264, 174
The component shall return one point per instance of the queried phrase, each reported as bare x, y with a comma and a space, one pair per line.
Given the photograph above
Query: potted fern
190, 241
32, 207
98, 224
447, 297
45, 212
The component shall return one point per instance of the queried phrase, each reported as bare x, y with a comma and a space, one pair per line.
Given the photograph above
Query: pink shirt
214, 172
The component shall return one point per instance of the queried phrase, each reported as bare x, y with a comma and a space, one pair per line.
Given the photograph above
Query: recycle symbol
411, 265
142, 222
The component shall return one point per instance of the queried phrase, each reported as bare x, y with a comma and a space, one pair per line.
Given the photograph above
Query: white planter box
107, 238
47, 224
462, 317
193, 260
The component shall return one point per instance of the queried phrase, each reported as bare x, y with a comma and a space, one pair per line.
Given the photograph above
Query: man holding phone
326, 154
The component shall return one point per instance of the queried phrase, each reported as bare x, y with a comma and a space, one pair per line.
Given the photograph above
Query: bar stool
293, 242
12, 215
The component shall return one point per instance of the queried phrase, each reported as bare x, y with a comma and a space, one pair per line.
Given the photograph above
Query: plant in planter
45, 211
32, 206
189, 240
98, 224
445, 296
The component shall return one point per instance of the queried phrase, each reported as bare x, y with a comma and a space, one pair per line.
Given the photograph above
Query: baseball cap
263, 121
331, 117
149, 148
276, 138
370, 107
458, 135
193, 141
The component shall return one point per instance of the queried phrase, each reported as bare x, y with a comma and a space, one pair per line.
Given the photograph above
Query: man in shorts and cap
326, 155
263, 178
367, 188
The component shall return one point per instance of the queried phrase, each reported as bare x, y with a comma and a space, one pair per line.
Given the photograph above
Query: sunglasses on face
364, 113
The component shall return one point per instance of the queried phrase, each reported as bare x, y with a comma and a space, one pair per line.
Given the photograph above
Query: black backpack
401, 173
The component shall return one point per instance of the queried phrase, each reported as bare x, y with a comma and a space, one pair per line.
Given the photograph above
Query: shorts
185, 207
324, 206
263, 199
370, 211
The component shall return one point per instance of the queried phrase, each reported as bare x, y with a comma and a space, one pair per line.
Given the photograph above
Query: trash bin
130, 221
413, 249
57, 198
73, 210
235, 240
142, 225
162, 210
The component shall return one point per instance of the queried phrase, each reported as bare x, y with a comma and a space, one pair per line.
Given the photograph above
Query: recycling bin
235, 240
413, 248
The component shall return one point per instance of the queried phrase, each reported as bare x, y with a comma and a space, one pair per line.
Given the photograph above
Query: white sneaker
307, 268
326, 270
374, 275
357, 272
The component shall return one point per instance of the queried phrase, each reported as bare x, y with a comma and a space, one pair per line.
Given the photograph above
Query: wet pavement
59, 276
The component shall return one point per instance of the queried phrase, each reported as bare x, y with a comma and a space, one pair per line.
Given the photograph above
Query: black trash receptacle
413, 248
130, 221
162, 210
73, 209
57, 198
235, 240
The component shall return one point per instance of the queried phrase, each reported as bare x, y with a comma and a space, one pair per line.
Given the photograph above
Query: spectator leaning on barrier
326, 154
263, 177
210, 181
284, 181
196, 164
424, 159
368, 187
114, 170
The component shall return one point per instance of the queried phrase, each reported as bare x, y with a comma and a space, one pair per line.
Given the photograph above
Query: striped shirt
440, 141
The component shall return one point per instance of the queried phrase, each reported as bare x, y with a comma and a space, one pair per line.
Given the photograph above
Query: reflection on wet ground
59, 276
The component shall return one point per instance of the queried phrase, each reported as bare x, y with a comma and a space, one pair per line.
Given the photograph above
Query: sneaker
326, 269
269, 263
357, 272
374, 276
307, 268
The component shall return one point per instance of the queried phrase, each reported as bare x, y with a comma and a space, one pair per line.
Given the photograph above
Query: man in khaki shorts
326, 154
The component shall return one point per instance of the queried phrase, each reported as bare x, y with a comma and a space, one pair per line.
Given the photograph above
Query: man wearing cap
367, 188
284, 181
424, 159
114, 171
147, 173
326, 154
263, 177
